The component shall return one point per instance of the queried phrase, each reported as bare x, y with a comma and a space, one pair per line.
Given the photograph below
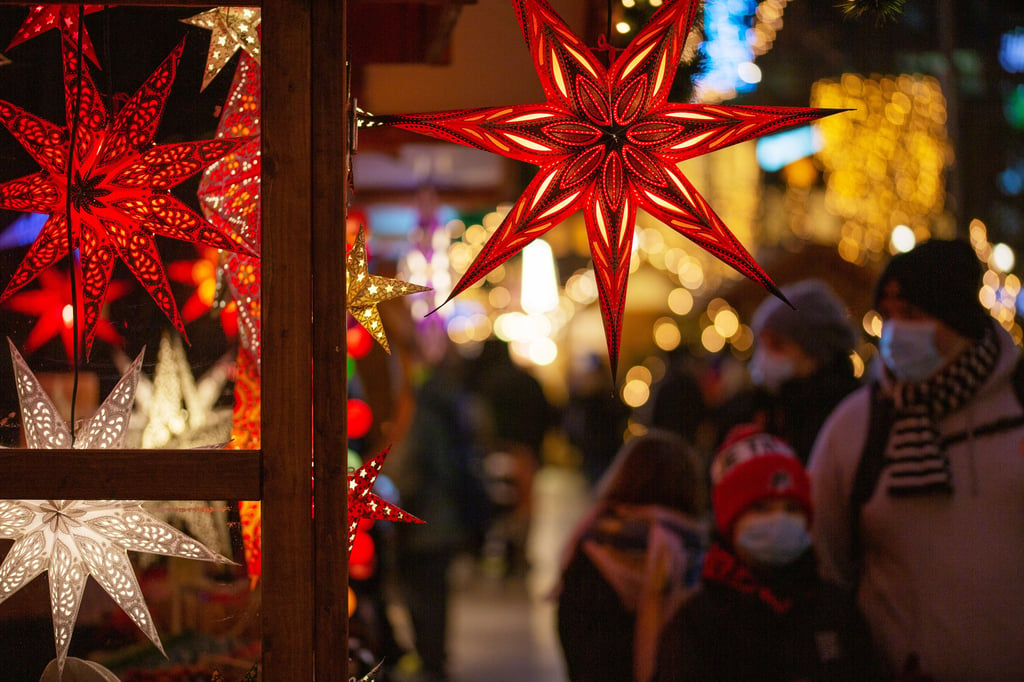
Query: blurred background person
801, 366
512, 417
633, 561
762, 613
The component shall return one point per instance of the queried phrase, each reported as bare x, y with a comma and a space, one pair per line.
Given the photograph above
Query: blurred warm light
872, 323
67, 314
499, 298
680, 301
623, 27
885, 159
635, 393
801, 173
902, 239
539, 351
727, 322
581, 287
666, 334
497, 275
629, 4
711, 339
475, 235
743, 339
639, 373
858, 364
1002, 257
539, 286
691, 275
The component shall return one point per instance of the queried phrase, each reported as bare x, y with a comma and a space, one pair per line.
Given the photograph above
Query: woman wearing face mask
762, 612
919, 478
801, 366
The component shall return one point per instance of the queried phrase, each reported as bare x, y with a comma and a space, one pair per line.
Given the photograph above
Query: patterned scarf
721, 566
914, 455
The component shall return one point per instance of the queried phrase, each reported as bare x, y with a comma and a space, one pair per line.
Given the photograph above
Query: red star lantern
42, 18
362, 504
51, 304
607, 142
120, 194
230, 196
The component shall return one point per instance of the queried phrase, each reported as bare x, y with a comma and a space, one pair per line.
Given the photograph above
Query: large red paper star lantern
51, 304
120, 196
607, 142
42, 18
362, 504
229, 194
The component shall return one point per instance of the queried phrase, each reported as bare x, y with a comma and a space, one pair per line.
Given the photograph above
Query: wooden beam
130, 474
330, 441
286, 390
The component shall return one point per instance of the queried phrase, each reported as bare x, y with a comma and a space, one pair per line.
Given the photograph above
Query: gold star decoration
365, 291
232, 29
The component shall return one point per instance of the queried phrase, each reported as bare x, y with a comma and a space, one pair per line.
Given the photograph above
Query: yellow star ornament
365, 291
232, 29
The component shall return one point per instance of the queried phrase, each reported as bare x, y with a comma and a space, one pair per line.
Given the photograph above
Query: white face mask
774, 538
908, 349
770, 370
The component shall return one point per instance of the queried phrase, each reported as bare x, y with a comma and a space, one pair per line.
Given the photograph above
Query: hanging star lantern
365, 291
73, 539
120, 195
362, 504
229, 194
232, 29
608, 142
51, 305
64, 17
245, 435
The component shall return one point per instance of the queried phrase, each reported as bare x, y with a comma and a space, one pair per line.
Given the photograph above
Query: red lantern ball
362, 558
359, 341
360, 417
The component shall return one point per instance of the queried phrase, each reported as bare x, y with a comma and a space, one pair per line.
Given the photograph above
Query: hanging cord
76, 115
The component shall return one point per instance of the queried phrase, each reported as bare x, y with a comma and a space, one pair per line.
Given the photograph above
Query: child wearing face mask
762, 612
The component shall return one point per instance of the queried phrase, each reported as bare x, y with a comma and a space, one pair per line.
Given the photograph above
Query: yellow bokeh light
666, 334
635, 393
680, 301
872, 323
712, 340
727, 322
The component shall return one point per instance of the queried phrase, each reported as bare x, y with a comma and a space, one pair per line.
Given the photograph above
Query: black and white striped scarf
914, 455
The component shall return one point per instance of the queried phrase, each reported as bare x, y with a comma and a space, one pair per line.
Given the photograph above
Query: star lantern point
120, 191
365, 291
231, 29
363, 504
607, 142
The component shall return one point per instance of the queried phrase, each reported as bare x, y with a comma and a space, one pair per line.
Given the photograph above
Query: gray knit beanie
819, 325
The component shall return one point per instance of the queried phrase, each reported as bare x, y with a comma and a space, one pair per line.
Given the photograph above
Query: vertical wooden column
287, 392
330, 441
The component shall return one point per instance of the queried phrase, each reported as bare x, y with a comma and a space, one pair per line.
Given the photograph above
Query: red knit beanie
752, 466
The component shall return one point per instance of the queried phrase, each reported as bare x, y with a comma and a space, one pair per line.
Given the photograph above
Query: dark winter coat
782, 628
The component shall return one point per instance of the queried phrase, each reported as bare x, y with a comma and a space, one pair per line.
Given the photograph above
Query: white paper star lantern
73, 539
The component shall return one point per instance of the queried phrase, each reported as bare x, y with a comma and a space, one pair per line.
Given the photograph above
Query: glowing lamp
359, 418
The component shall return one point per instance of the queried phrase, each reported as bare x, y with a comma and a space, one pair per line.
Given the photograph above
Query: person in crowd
919, 477
512, 418
434, 466
632, 561
801, 366
594, 419
677, 400
762, 613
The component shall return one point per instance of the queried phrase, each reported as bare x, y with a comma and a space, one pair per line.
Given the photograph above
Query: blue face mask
774, 538
908, 349
770, 370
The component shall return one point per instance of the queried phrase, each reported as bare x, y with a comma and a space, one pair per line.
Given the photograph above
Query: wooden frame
304, 604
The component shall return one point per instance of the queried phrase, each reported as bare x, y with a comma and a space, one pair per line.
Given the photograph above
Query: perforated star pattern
229, 194
362, 504
42, 18
608, 142
73, 539
120, 195
232, 29
365, 291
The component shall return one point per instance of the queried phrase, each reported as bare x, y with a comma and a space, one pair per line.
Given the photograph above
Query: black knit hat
942, 278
